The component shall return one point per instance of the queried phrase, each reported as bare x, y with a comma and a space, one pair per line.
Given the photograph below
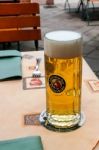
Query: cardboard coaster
32, 119
33, 83
94, 84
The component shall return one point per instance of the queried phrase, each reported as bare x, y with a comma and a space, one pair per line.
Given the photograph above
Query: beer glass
63, 78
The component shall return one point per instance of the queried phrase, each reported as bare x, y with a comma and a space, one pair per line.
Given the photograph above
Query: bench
20, 22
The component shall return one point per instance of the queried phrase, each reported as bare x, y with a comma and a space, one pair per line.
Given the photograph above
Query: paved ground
57, 18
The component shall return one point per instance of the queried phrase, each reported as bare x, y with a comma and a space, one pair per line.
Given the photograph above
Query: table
16, 102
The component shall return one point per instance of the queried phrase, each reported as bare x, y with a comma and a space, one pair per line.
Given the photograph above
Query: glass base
48, 125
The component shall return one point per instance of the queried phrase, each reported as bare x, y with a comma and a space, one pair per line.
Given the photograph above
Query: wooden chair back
20, 22
9, 1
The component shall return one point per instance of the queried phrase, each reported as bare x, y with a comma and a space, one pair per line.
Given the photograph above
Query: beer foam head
63, 44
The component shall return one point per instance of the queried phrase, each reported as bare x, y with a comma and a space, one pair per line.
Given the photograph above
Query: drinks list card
33, 83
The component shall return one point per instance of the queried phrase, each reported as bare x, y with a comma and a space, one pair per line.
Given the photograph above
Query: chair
9, 1
20, 22
87, 8
65, 5
80, 5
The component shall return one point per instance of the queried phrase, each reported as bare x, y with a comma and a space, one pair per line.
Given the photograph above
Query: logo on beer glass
57, 83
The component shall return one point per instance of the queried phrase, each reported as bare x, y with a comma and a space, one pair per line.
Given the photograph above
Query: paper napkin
26, 143
10, 64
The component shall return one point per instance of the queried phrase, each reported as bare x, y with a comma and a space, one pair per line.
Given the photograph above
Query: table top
15, 102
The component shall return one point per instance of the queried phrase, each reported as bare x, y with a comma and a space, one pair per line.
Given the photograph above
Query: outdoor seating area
49, 75
58, 18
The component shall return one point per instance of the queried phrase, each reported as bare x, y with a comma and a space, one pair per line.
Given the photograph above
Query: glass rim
49, 37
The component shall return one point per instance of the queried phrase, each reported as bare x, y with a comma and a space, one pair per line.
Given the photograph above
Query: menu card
33, 83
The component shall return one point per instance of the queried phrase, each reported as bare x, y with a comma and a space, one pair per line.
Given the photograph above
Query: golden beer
63, 75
